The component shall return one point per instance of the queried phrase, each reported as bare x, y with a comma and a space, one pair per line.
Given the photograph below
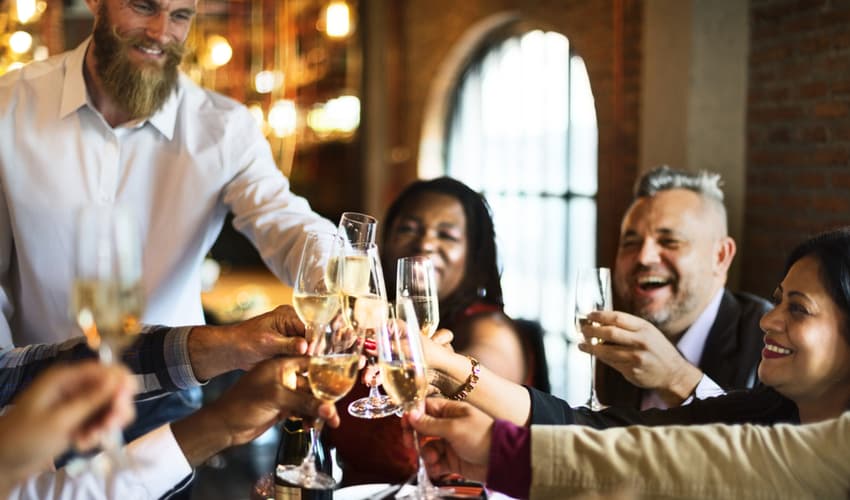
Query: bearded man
115, 122
682, 334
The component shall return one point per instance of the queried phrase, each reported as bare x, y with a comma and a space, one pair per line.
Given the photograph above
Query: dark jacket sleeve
758, 406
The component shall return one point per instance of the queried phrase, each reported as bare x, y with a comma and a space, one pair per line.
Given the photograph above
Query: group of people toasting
113, 126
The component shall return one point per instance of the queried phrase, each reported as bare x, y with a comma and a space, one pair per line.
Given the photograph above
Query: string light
337, 20
20, 42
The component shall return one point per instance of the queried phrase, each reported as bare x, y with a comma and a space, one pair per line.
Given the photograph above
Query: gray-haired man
685, 335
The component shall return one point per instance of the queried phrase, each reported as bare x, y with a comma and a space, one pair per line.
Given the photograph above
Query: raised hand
258, 400
465, 431
642, 354
66, 405
214, 350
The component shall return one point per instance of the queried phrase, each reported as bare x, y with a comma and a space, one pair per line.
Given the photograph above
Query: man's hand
249, 408
465, 432
66, 405
214, 350
642, 353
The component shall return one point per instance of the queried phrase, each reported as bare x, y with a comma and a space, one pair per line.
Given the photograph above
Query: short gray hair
663, 178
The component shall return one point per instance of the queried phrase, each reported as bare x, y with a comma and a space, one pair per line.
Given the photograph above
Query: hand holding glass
107, 299
333, 346
402, 362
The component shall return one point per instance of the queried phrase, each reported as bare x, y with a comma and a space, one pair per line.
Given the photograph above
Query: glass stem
309, 463
423, 481
105, 353
374, 393
594, 403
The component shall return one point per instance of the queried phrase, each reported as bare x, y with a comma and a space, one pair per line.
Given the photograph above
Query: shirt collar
692, 342
75, 95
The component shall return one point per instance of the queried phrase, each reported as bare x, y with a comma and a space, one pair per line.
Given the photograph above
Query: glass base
295, 474
431, 493
369, 407
593, 403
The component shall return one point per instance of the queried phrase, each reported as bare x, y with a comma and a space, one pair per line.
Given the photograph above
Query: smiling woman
807, 340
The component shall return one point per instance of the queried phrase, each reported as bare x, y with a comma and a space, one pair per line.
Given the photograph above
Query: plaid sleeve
159, 358
19, 366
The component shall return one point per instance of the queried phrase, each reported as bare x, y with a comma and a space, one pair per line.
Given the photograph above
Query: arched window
522, 130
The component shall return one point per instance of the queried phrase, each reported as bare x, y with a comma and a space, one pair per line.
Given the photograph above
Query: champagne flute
402, 361
107, 299
358, 228
416, 279
365, 305
593, 293
333, 346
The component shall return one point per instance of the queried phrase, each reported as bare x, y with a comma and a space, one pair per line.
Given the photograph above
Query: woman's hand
465, 431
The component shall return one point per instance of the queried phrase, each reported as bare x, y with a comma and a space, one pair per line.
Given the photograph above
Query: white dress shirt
691, 345
180, 172
158, 466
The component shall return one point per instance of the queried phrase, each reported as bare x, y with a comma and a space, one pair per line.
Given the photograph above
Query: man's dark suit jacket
762, 405
730, 358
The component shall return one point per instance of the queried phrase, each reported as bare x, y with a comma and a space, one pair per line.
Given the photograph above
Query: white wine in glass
402, 362
107, 297
333, 346
417, 280
365, 307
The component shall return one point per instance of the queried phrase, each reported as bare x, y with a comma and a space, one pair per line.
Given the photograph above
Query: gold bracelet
466, 388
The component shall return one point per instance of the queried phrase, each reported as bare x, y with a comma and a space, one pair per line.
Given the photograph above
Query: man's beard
681, 302
139, 90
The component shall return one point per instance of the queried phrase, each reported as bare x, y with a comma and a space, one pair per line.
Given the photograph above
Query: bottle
294, 443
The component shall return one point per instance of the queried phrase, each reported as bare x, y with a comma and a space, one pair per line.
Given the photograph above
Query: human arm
168, 358
274, 219
496, 396
66, 405
642, 354
712, 461
494, 342
247, 409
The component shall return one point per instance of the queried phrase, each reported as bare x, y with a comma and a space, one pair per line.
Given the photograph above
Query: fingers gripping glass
593, 293
107, 298
333, 346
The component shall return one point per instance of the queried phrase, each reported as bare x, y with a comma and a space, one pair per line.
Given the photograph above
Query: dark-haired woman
450, 223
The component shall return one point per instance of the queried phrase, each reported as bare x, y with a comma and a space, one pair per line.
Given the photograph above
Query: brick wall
606, 33
798, 173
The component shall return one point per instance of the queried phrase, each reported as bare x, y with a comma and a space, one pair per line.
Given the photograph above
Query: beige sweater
711, 461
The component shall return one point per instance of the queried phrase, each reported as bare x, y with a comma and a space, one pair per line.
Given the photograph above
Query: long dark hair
832, 250
481, 277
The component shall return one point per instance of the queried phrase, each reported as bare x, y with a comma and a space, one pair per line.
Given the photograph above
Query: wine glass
593, 293
402, 362
358, 228
365, 296
333, 346
107, 298
416, 279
